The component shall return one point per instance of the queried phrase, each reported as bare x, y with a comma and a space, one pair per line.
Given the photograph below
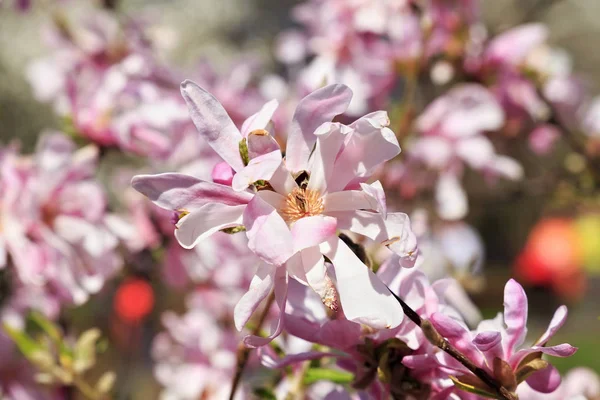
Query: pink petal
370, 144
282, 181
268, 234
315, 270
260, 142
545, 380
270, 359
350, 200
340, 334
259, 168
206, 220
458, 335
312, 231
420, 362
178, 192
490, 344
259, 289
394, 232
558, 320
330, 139
318, 107
375, 190
512, 46
561, 350
222, 174
515, 316
213, 123
261, 119
364, 298
450, 197
280, 289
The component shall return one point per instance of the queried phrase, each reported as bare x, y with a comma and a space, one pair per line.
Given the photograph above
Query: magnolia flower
452, 136
194, 356
54, 221
292, 207
495, 346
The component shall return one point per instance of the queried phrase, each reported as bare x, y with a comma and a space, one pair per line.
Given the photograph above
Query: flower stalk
243, 352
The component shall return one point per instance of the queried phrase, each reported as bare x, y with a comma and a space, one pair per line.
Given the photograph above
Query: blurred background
521, 225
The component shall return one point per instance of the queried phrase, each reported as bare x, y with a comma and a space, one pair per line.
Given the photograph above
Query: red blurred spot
553, 252
134, 300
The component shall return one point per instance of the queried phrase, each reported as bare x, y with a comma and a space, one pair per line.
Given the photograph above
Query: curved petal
259, 289
458, 335
349, 200
560, 350
546, 380
205, 221
213, 123
394, 232
490, 344
558, 320
282, 181
183, 192
261, 119
268, 234
515, 316
312, 231
315, 270
313, 110
370, 144
375, 190
260, 168
280, 289
364, 298
330, 139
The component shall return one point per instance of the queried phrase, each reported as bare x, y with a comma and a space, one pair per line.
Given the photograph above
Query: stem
243, 352
86, 389
437, 340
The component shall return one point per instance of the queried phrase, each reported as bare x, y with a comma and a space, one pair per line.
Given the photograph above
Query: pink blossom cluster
322, 261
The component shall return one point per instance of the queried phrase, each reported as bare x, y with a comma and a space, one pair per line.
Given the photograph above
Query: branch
243, 352
437, 340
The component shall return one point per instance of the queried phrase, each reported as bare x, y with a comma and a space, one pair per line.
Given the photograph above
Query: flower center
302, 203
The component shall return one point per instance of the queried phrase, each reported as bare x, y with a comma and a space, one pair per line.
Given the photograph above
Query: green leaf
24, 342
85, 350
49, 327
323, 374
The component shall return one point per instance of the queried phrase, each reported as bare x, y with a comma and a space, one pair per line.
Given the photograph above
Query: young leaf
85, 350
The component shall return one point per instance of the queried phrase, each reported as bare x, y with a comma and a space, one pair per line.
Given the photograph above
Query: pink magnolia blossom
501, 339
54, 221
195, 357
451, 137
294, 205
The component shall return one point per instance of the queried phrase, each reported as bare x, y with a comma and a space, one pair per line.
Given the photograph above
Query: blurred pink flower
452, 135
54, 220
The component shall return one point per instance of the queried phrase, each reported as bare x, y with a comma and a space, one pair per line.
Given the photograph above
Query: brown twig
437, 340
243, 352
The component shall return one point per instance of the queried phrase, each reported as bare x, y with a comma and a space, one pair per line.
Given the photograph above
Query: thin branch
437, 340
243, 352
